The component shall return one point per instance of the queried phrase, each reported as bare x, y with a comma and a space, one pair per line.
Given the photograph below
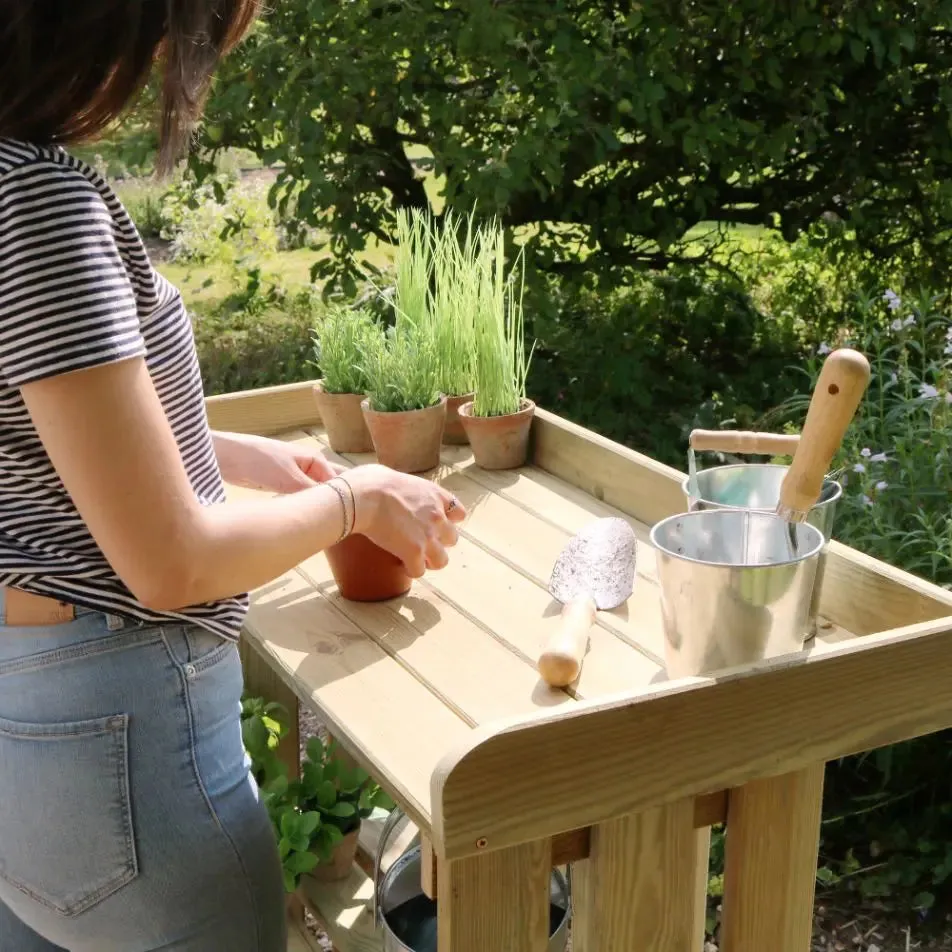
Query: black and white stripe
77, 290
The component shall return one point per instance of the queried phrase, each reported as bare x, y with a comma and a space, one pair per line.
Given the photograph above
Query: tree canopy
610, 128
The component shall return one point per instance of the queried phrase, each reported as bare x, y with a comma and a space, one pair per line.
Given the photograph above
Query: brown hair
69, 68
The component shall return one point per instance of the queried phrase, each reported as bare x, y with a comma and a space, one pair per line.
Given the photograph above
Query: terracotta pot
499, 442
341, 862
453, 432
366, 573
409, 440
343, 421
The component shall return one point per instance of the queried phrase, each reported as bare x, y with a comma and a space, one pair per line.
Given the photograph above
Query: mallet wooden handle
836, 397
561, 661
744, 441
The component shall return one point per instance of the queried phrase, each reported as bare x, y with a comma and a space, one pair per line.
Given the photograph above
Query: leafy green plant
502, 363
345, 338
312, 815
401, 369
264, 724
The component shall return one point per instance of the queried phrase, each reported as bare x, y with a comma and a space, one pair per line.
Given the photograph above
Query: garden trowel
595, 572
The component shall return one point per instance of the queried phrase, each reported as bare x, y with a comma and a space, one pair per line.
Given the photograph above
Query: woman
129, 821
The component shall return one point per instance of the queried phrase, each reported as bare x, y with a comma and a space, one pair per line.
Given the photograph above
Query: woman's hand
409, 516
257, 462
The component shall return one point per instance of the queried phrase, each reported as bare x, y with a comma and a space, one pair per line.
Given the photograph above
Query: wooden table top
401, 683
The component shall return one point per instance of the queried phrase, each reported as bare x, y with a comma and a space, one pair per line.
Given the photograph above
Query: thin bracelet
348, 515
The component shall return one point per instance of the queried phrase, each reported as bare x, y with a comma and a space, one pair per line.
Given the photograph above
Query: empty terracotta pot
366, 573
499, 442
408, 440
453, 432
343, 421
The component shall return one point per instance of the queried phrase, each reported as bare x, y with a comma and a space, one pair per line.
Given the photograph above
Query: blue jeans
129, 821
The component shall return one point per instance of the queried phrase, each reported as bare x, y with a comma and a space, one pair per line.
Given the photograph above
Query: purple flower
866, 500
866, 451
898, 324
878, 458
823, 349
928, 392
892, 299
881, 485
859, 468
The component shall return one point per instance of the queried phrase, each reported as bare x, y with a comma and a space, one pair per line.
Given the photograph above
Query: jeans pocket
66, 837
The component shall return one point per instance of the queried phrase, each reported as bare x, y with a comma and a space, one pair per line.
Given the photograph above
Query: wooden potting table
436, 694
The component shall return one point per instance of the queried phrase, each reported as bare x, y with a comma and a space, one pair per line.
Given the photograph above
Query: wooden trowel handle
838, 392
744, 441
561, 661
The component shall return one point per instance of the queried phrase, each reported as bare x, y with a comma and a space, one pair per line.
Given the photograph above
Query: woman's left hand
257, 462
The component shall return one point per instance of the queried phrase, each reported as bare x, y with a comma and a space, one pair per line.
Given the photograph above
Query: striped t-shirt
77, 291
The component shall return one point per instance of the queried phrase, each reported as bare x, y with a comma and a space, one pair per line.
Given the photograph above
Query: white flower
948, 349
909, 321
892, 299
948, 397
928, 392
824, 348
859, 468
878, 458
866, 500
881, 485
893, 379
866, 451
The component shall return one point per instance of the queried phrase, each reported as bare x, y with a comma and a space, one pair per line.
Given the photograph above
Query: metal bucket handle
744, 442
396, 815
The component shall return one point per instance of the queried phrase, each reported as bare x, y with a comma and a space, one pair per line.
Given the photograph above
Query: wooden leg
496, 901
773, 833
261, 680
638, 890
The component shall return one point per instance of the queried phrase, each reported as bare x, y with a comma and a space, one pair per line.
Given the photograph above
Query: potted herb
404, 408
452, 311
498, 419
343, 339
342, 796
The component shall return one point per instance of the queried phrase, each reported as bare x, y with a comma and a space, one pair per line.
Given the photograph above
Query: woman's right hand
411, 517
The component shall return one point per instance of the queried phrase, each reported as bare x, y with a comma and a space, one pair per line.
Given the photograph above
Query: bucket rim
813, 551
835, 495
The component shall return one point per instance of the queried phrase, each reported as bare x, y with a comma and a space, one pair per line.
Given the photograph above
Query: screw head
482, 843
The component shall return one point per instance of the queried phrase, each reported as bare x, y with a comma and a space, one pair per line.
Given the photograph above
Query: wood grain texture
266, 412
637, 890
392, 724
770, 863
497, 901
345, 910
691, 737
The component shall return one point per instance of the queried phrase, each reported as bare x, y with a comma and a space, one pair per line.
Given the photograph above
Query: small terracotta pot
499, 442
409, 440
343, 421
366, 573
453, 432
342, 860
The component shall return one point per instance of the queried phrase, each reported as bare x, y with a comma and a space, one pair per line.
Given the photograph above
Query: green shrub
257, 347
646, 363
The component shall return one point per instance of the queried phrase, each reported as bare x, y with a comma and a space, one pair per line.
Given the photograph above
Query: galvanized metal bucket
407, 916
734, 588
756, 486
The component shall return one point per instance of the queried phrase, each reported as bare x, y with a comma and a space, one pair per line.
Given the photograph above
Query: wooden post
773, 835
496, 901
639, 888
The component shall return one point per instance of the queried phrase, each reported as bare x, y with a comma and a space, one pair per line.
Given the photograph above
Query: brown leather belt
26, 610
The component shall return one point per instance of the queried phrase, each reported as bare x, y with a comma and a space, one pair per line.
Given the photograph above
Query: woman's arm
257, 462
108, 438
